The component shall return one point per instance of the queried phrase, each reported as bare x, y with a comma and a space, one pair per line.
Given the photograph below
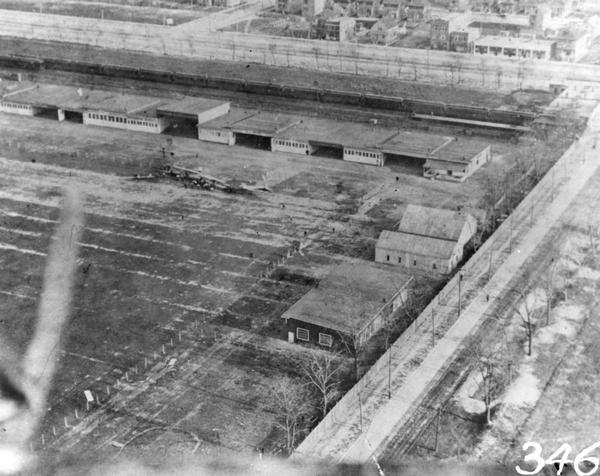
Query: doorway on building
182, 127
328, 151
253, 141
74, 116
402, 164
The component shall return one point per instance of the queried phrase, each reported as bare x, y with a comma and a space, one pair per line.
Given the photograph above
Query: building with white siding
153, 125
294, 146
430, 239
513, 47
15, 108
364, 156
457, 160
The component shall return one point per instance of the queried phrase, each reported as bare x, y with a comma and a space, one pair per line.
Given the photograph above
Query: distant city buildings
515, 47
311, 8
522, 29
336, 29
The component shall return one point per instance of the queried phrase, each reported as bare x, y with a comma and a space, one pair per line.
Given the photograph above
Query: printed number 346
560, 458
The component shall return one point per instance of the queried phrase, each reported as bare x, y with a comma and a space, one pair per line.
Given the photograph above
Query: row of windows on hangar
290, 143
360, 153
16, 106
123, 120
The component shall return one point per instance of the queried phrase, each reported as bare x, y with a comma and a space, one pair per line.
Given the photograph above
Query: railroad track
254, 101
465, 362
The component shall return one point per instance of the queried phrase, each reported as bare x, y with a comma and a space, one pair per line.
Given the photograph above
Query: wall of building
515, 50
310, 8
292, 325
344, 341
479, 160
213, 113
290, 145
21, 109
441, 170
413, 260
153, 125
215, 135
364, 156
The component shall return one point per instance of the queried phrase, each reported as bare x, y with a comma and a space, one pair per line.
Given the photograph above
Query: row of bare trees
298, 401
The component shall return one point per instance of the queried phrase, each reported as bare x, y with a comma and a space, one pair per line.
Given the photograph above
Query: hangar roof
189, 107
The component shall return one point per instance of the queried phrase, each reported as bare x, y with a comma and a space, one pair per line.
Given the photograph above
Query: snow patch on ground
588, 273
536, 299
564, 317
548, 334
571, 312
571, 254
463, 396
472, 405
470, 385
524, 390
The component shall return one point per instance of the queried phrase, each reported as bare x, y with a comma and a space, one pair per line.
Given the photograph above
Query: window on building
387, 257
302, 334
325, 339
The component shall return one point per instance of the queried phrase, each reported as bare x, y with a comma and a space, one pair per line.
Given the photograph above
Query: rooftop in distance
189, 106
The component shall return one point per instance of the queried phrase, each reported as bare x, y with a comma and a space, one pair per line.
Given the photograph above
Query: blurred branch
33, 377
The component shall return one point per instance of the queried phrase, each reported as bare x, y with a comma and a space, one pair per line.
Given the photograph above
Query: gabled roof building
431, 239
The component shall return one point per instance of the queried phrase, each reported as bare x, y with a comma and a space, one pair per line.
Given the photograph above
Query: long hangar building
442, 157
109, 109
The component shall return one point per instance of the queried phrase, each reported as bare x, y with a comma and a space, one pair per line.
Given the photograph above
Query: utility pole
531, 214
437, 428
510, 220
433, 320
460, 278
360, 411
389, 371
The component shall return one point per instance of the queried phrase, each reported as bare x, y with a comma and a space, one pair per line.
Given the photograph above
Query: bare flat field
109, 11
176, 326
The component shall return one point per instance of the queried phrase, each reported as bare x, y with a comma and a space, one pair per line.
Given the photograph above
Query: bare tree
493, 377
293, 406
355, 344
416, 298
25, 385
525, 308
323, 372
549, 286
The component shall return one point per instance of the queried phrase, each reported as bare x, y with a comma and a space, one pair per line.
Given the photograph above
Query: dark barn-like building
351, 303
